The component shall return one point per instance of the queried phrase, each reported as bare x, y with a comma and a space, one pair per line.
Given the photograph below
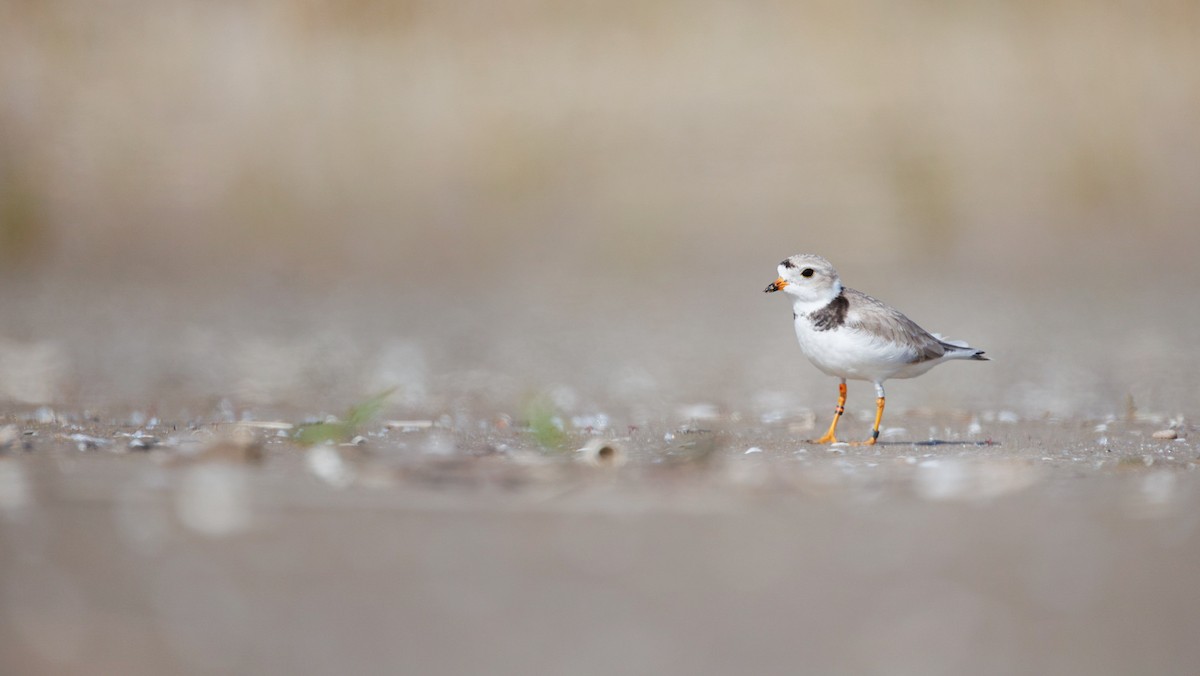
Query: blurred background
270, 203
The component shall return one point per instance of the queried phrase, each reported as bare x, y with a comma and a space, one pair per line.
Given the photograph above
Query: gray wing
874, 316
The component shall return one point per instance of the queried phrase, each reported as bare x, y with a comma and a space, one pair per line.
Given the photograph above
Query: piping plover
848, 334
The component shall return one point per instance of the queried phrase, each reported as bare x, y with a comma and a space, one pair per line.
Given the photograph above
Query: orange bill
775, 286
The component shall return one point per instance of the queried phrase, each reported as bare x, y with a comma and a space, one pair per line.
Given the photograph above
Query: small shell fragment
602, 453
1165, 434
408, 425
270, 425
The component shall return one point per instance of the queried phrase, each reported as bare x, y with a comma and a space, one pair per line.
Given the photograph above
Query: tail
964, 352
956, 349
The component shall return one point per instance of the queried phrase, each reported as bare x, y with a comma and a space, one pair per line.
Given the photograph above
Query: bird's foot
868, 442
827, 439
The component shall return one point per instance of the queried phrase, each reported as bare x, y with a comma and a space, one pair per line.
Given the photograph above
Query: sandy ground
722, 546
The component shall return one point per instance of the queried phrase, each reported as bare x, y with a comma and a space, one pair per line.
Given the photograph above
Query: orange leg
830, 437
875, 429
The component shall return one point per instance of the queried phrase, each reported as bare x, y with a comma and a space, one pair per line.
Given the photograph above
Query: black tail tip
978, 356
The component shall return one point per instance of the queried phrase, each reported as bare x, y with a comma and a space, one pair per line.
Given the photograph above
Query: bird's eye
806, 272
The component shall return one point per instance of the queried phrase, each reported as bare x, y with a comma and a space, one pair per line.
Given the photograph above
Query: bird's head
808, 277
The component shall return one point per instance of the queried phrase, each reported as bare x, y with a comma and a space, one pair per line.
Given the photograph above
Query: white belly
857, 355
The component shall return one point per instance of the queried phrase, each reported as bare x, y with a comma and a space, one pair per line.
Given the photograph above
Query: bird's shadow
938, 442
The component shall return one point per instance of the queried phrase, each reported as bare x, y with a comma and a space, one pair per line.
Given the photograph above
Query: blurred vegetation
347, 427
546, 423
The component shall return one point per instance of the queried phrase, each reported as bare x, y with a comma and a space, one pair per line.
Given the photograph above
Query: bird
850, 335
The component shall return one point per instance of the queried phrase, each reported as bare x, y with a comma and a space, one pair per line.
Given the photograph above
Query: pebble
327, 464
1165, 434
8, 435
85, 442
142, 443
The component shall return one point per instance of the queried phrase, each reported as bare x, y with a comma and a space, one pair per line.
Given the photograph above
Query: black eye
806, 272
